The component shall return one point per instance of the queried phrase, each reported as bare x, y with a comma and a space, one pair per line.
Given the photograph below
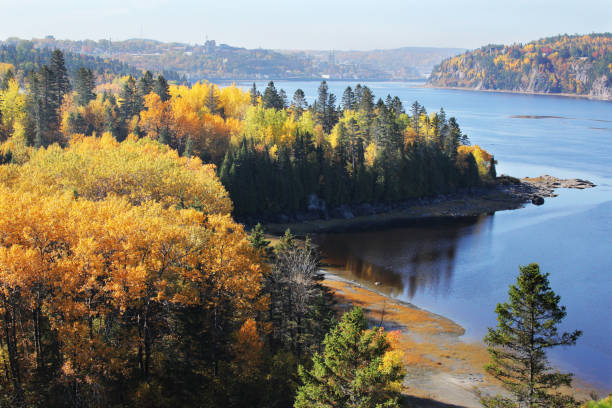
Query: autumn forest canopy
124, 279
134, 271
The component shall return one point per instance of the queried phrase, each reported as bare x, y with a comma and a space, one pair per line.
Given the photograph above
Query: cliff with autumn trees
565, 64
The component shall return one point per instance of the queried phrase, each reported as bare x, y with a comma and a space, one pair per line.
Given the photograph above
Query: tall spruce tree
299, 103
146, 84
254, 95
84, 86
161, 88
60, 83
527, 326
348, 99
271, 98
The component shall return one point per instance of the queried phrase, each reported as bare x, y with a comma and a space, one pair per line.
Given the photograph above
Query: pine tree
260, 243
271, 98
146, 84
254, 95
351, 372
492, 170
299, 103
60, 83
282, 96
348, 99
131, 103
528, 326
161, 88
84, 85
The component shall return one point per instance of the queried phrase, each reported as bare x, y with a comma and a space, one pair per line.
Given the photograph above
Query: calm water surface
461, 269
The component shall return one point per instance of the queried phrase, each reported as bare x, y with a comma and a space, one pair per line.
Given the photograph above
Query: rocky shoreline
506, 193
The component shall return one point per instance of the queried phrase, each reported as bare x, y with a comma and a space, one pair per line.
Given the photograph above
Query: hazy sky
313, 24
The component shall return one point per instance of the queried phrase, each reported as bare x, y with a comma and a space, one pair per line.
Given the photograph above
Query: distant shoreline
505, 91
420, 80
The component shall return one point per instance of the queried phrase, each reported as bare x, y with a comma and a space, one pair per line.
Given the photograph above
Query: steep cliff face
580, 65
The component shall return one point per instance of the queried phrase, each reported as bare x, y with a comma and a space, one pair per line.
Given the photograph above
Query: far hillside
23, 56
394, 64
565, 64
214, 61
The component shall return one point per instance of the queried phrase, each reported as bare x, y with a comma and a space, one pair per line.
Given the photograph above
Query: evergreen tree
131, 101
161, 88
271, 98
260, 243
325, 108
282, 96
299, 103
415, 113
84, 85
528, 326
254, 95
348, 99
350, 373
492, 171
146, 84
60, 83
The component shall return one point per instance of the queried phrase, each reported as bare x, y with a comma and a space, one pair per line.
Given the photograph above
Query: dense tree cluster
564, 64
273, 155
356, 152
25, 56
125, 282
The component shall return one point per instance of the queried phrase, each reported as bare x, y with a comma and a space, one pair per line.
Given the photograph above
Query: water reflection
418, 256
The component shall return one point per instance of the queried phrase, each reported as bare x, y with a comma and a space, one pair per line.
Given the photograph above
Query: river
461, 269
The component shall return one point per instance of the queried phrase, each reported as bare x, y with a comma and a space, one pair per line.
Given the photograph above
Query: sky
313, 24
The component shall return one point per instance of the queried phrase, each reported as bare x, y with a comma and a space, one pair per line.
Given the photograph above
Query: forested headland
274, 154
565, 64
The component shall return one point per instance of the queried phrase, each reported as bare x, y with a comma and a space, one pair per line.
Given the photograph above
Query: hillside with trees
24, 56
213, 61
406, 63
576, 64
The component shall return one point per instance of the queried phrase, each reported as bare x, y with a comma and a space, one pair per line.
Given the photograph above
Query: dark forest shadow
416, 402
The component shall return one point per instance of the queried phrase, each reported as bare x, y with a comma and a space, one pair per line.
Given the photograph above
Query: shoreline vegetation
508, 91
506, 193
443, 370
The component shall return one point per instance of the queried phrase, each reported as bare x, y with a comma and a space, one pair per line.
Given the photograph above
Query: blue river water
461, 269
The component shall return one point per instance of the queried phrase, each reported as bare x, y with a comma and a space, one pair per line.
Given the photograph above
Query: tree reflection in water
414, 257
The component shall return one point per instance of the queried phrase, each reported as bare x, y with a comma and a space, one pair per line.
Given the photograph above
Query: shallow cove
462, 268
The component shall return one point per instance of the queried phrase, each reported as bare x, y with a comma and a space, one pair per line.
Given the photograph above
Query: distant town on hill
213, 61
